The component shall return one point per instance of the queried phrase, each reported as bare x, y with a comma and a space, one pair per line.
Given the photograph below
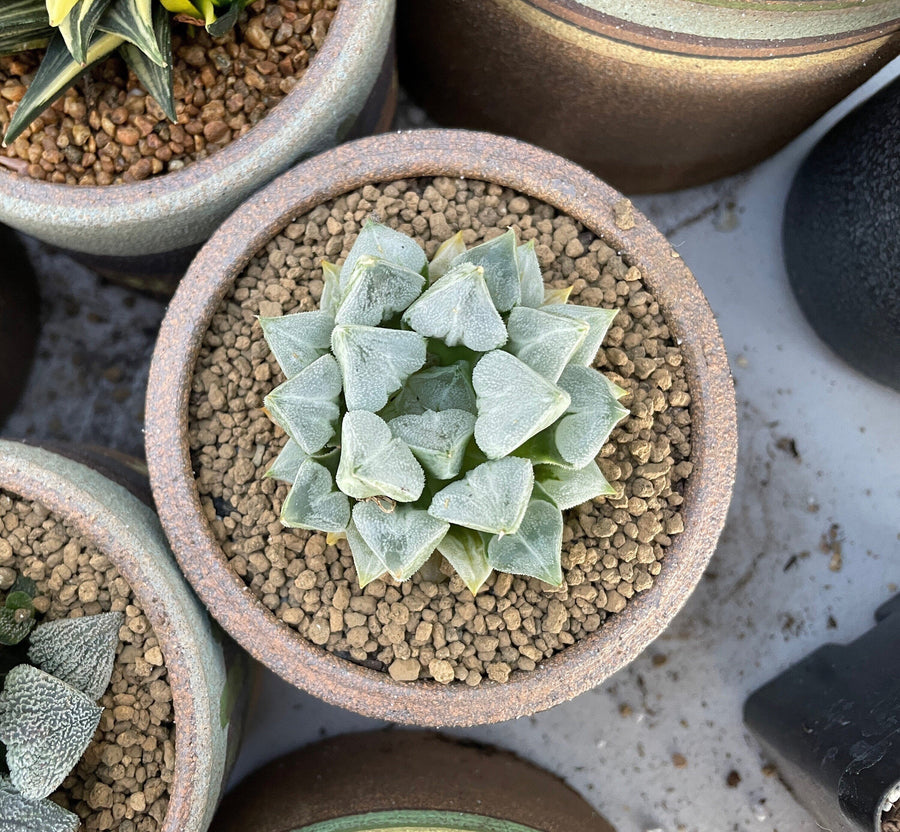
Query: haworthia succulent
438, 439
376, 291
447, 252
530, 279
498, 259
534, 549
380, 241
444, 388
599, 321
466, 551
368, 565
569, 488
314, 503
298, 340
19, 814
543, 341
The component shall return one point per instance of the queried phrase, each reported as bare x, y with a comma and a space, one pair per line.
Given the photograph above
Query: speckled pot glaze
406, 781
530, 171
651, 95
181, 209
206, 689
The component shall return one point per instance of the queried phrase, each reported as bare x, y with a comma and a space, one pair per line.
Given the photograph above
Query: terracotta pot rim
38, 475
533, 172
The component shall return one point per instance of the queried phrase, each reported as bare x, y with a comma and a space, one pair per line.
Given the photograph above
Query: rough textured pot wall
394, 771
536, 173
651, 96
129, 534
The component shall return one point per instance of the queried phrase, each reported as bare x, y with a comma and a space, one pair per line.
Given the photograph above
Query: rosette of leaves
445, 407
51, 675
80, 33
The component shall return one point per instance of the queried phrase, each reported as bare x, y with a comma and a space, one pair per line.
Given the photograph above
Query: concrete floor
811, 548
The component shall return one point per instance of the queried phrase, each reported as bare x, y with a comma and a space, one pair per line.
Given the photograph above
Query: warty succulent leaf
78, 651
374, 463
375, 362
490, 498
599, 321
447, 252
501, 268
434, 388
402, 538
313, 503
380, 241
306, 406
438, 439
458, 309
299, 339
545, 342
377, 291
568, 488
514, 403
466, 551
535, 548
530, 278
19, 814
16, 617
46, 726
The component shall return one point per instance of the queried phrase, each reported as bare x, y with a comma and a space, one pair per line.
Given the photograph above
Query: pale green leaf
292, 456
306, 406
514, 403
466, 551
132, 20
545, 342
368, 565
313, 503
447, 252
331, 288
437, 439
58, 9
380, 241
376, 291
490, 498
501, 269
599, 321
553, 297
375, 362
530, 278
403, 539
434, 388
570, 488
299, 339
536, 549
78, 26
18, 814
374, 463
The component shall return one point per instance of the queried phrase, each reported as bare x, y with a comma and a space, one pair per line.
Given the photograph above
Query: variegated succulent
81, 33
51, 676
446, 407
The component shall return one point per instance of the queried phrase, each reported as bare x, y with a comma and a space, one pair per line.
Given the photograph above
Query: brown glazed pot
533, 172
651, 95
207, 676
406, 781
144, 234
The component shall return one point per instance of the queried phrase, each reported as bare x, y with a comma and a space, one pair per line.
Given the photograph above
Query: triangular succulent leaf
530, 278
376, 291
501, 269
466, 551
375, 362
434, 388
79, 651
447, 252
313, 503
288, 462
490, 498
554, 297
570, 488
374, 463
331, 288
458, 309
438, 439
545, 342
514, 403
306, 406
46, 726
599, 321
380, 241
402, 538
368, 565
19, 814
299, 339
535, 549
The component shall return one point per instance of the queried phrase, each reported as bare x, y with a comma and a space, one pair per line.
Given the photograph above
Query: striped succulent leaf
79, 25
133, 21
23, 25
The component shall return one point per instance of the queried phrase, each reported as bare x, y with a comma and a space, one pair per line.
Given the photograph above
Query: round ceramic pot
349, 86
650, 95
535, 173
405, 781
207, 691
19, 323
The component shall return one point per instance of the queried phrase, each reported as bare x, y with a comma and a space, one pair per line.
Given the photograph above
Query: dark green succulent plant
448, 406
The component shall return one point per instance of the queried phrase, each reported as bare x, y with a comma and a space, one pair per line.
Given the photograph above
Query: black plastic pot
841, 241
831, 724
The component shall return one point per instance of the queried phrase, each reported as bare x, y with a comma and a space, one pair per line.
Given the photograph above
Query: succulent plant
48, 711
81, 33
445, 407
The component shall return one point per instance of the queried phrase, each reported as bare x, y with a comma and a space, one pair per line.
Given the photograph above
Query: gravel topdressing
122, 782
432, 626
106, 129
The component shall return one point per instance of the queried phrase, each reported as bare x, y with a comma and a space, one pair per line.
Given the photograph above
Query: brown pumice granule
122, 781
612, 547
